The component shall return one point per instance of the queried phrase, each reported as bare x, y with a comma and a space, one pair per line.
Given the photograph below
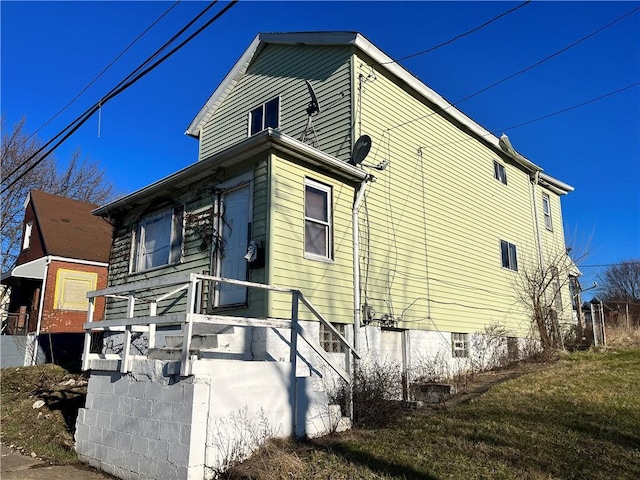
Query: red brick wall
69, 321
36, 249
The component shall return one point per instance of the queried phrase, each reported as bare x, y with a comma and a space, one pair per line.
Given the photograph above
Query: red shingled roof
69, 229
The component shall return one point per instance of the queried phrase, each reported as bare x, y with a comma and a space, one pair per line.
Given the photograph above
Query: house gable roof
69, 229
383, 61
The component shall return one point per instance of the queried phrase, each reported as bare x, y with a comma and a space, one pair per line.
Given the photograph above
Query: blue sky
51, 50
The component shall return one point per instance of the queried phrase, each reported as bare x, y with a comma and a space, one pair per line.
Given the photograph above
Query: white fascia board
78, 261
223, 89
554, 184
265, 140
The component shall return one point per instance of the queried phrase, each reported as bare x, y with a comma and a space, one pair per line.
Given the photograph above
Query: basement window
460, 345
158, 240
509, 255
265, 116
329, 340
499, 172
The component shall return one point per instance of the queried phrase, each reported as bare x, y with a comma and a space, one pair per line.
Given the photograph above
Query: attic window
499, 172
265, 116
26, 241
546, 210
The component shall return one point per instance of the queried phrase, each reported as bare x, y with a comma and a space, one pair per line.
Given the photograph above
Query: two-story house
327, 168
64, 254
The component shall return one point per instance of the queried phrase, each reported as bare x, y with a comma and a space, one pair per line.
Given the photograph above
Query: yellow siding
440, 186
329, 285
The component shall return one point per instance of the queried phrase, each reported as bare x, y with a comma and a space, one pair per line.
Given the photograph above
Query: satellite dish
360, 150
312, 109
314, 106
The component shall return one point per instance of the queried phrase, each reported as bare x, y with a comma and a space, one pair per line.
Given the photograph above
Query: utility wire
457, 37
536, 64
104, 70
89, 112
123, 85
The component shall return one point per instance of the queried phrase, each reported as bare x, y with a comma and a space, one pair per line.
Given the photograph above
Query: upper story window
546, 210
26, 241
509, 254
499, 172
317, 219
158, 240
265, 116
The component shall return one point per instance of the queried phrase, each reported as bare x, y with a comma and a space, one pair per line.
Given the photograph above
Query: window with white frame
509, 255
26, 241
158, 240
265, 116
317, 219
460, 345
329, 340
499, 172
546, 210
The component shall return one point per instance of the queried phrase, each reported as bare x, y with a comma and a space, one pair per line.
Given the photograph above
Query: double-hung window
546, 210
499, 172
509, 254
158, 240
265, 116
317, 219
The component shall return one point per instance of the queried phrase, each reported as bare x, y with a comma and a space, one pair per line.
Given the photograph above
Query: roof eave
261, 142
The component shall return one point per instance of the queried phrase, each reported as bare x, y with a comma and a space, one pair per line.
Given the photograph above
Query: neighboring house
64, 254
410, 252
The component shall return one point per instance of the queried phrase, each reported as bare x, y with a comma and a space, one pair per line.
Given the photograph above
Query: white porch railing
193, 283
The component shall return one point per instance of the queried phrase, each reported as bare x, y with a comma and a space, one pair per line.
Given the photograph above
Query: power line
607, 264
509, 77
123, 85
91, 110
104, 70
457, 37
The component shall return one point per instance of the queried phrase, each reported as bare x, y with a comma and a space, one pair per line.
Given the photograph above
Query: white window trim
502, 178
134, 258
264, 116
546, 211
329, 223
26, 241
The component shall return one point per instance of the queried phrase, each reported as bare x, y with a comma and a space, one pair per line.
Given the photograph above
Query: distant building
64, 254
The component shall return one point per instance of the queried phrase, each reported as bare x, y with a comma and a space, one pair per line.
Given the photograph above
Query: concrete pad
14, 466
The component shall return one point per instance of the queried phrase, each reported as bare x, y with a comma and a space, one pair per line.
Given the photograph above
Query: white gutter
36, 342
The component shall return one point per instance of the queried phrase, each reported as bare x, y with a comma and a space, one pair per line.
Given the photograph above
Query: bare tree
81, 179
620, 288
539, 288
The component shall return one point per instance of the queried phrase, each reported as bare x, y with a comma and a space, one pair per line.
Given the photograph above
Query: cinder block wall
144, 425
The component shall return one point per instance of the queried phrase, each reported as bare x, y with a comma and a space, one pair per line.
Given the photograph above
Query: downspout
36, 343
534, 183
356, 265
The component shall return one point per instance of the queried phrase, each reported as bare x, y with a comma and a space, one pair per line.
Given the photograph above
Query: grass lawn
579, 418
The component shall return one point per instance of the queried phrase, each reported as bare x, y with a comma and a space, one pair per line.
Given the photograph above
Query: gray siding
280, 71
197, 247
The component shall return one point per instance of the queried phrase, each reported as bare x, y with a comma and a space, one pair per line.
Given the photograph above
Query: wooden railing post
153, 311
293, 357
86, 350
126, 350
187, 327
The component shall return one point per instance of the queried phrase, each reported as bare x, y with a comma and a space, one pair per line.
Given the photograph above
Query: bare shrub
238, 435
377, 394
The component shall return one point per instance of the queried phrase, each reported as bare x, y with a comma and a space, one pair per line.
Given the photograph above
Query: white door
234, 227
